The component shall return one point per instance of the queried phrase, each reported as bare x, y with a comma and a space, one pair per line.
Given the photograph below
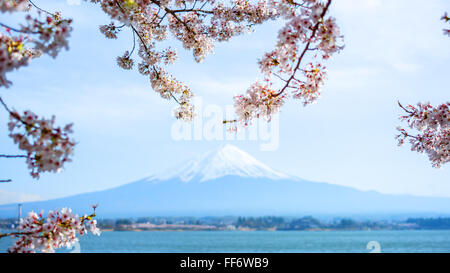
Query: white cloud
407, 68
16, 197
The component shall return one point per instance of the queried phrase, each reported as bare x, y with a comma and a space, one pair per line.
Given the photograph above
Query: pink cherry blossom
47, 33
125, 61
59, 229
47, 147
198, 25
259, 101
431, 126
14, 5
13, 55
307, 31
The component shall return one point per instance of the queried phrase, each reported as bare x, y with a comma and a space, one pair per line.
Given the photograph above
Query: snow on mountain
227, 160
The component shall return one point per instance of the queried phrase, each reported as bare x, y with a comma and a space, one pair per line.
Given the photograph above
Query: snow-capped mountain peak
227, 160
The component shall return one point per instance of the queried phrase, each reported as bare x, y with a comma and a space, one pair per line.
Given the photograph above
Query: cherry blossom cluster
110, 31
59, 229
125, 61
198, 24
307, 30
446, 19
13, 55
46, 33
432, 123
309, 90
260, 101
53, 32
14, 5
433, 127
47, 147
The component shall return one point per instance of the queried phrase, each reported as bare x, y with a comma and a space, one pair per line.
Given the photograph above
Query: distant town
267, 223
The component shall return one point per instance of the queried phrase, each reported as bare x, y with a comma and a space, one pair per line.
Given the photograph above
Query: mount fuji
228, 181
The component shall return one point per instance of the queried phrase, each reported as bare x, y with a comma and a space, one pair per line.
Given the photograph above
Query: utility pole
20, 214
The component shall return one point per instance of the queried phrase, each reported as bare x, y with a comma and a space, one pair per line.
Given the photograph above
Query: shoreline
265, 230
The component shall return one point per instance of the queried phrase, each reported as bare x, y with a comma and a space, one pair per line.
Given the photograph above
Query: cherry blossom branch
198, 28
13, 156
25, 30
313, 34
2, 235
58, 229
307, 26
146, 49
134, 43
37, 37
18, 30
433, 127
431, 123
16, 116
40, 9
47, 147
167, 10
406, 110
126, 63
5, 106
187, 24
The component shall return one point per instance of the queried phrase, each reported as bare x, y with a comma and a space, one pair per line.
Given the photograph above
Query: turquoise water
262, 241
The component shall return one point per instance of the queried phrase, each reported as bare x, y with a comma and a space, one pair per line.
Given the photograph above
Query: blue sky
395, 50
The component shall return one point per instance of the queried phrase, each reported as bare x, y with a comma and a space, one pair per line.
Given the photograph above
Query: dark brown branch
13, 156
229, 121
404, 108
173, 13
134, 44
5, 106
18, 233
279, 77
15, 115
18, 30
145, 47
41, 9
313, 34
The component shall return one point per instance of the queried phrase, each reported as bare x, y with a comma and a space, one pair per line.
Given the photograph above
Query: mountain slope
227, 160
230, 182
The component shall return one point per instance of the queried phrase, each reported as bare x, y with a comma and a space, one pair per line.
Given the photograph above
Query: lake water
262, 241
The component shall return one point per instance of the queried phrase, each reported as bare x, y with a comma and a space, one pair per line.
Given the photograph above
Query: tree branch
13, 156
4, 105
15, 115
14, 234
18, 30
406, 110
38, 8
316, 27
